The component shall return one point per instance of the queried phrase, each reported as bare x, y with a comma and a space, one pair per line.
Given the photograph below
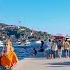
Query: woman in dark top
59, 46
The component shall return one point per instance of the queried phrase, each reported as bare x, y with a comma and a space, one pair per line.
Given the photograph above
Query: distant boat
38, 42
18, 42
27, 43
1, 44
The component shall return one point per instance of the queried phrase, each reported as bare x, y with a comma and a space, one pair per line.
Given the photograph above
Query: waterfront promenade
43, 64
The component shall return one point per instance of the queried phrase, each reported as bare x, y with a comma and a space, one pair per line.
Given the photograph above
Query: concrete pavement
43, 64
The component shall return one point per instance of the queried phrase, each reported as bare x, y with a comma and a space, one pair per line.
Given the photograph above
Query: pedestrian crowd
55, 48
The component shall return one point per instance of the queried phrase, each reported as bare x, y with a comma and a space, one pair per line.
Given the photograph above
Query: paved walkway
43, 64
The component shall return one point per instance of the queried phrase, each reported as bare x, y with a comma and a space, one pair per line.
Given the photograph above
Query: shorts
52, 52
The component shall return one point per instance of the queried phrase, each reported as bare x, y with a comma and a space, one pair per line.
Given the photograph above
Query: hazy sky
52, 16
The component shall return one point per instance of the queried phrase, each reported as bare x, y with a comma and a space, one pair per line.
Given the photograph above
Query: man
42, 43
48, 48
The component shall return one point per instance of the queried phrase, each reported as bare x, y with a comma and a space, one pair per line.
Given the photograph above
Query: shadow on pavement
63, 64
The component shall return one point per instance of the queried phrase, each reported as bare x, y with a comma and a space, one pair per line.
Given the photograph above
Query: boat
27, 43
1, 44
38, 42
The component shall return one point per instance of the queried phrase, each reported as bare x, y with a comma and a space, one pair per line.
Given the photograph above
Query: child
9, 57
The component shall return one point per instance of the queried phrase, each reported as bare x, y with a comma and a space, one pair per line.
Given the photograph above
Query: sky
52, 16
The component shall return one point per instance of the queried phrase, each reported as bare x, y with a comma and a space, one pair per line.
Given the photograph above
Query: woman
53, 49
9, 57
59, 45
66, 46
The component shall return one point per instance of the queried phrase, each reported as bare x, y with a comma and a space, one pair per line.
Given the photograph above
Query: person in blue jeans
66, 47
48, 49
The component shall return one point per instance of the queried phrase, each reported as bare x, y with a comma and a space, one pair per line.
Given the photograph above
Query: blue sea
25, 51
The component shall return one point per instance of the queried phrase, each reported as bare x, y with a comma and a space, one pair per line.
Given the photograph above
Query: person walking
59, 46
42, 43
53, 49
66, 48
48, 48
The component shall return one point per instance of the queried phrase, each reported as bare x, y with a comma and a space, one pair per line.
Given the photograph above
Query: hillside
21, 32
3, 25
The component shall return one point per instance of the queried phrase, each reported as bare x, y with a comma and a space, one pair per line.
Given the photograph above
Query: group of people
55, 48
59, 46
